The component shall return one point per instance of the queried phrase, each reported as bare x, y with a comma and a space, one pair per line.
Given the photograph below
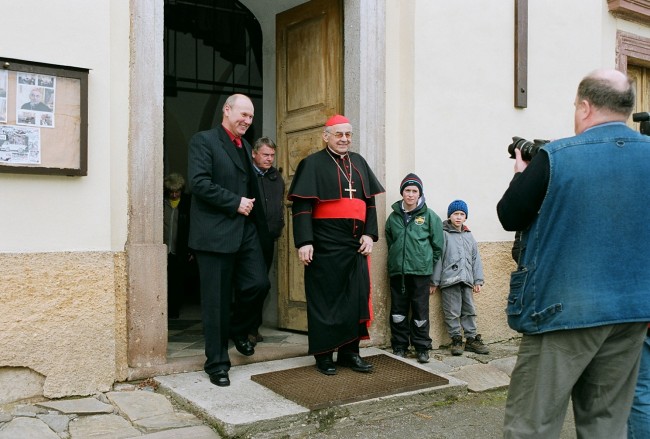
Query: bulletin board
43, 118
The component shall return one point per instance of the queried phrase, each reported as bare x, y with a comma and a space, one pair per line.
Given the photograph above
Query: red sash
348, 208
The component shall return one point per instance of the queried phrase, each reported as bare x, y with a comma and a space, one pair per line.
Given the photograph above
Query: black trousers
268, 246
238, 280
409, 312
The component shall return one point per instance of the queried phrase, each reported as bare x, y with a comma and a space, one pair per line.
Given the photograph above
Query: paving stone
482, 377
5, 417
167, 421
140, 405
102, 427
27, 428
102, 398
456, 362
28, 410
436, 366
201, 432
505, 364
85, 406
58, 423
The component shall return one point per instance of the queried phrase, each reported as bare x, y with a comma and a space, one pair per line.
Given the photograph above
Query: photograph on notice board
20, 145
35, 96
4, 75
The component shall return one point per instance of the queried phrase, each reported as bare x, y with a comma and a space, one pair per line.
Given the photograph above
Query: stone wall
59, 321
490, 302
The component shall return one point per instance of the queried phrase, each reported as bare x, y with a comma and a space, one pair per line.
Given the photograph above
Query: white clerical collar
336, 154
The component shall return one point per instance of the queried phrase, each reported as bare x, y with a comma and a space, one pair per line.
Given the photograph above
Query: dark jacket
176, 225
218, 179
271, 192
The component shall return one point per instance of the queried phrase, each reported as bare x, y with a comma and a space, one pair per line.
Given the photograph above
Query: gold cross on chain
349, 189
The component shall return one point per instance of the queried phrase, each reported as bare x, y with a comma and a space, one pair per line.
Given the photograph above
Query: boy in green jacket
415, 239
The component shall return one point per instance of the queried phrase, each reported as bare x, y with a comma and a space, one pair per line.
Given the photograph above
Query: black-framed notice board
43, 118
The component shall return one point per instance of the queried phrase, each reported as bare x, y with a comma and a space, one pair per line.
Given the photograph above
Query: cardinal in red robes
334, 228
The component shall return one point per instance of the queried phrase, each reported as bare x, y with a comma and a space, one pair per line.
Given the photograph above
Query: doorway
146, 336
212, 49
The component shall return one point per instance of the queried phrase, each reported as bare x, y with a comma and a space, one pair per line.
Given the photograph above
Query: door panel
641, 78
309, 59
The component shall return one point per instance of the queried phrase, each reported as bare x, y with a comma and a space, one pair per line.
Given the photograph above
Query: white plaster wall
58, 213
451, 93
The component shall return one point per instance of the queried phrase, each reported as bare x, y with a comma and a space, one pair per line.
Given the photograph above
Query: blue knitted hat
455, 206
411, 180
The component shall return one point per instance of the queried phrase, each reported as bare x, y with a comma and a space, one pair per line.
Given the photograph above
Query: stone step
246, 408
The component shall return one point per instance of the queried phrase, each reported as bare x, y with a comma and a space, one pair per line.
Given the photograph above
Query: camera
644, 119
528, 149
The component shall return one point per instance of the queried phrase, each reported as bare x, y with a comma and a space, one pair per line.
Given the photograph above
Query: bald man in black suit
224, 237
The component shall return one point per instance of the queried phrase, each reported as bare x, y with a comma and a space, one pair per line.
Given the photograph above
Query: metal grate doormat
313, 390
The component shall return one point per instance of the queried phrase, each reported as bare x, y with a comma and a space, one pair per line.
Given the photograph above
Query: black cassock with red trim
331, 217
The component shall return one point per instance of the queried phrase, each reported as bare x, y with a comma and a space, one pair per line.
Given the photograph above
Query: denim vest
585, 259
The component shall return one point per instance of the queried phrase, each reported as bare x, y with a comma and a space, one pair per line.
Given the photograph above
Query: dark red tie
237, 141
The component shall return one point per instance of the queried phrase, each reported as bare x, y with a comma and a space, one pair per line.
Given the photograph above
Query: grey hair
602, 93
264, 141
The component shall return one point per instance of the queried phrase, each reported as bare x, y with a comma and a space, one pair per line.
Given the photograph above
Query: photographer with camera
580, 293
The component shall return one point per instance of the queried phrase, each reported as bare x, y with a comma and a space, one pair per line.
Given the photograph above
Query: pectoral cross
349, 189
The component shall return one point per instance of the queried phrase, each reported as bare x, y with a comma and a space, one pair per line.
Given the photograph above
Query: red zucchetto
336, 119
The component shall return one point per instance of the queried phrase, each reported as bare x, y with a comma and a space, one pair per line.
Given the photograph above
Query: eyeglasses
339, 135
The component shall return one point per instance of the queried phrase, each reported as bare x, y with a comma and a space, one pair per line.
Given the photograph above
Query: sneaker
457, 345
475, 344
423, 356
400, 352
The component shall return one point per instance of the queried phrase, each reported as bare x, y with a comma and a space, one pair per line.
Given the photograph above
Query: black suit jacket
218, 179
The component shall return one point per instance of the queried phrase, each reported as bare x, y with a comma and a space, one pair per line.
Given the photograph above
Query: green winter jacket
414, 246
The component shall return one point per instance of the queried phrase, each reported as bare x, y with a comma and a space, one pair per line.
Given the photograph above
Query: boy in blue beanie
459, 274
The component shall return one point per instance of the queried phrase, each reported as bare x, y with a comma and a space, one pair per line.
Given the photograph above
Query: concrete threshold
247, 409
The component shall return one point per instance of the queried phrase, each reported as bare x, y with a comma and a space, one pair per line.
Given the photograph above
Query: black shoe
423, 356
244, 346
325, 365
220, 378
399, 352
255, 338
354, 362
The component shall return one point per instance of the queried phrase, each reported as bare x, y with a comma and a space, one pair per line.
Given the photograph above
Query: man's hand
245, 206
306, 254
433, 289
520, 164
477, 288
366, 245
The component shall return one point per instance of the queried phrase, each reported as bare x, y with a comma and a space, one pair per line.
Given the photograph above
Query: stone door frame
146, 255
